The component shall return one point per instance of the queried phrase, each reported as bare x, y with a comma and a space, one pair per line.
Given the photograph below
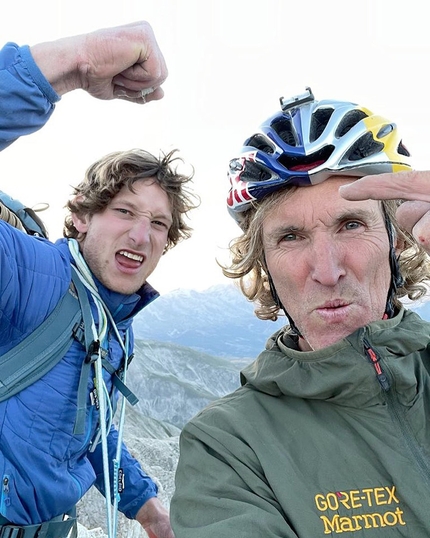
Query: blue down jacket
44, 468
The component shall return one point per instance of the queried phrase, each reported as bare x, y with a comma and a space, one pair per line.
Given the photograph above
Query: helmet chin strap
396, 282
278, 303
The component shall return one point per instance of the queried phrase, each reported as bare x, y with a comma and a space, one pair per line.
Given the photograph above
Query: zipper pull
375, 359
4, 497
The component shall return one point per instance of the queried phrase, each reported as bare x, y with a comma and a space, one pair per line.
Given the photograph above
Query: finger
421, 232
409, 213
142, 75
149, 68
413, 185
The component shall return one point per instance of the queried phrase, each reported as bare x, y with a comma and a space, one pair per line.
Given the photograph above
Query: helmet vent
261, 143
306, 162
364, 147
285, 131
255, 172
320, 119
349, 121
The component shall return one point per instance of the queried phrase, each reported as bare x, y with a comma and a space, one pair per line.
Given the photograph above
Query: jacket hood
342, 373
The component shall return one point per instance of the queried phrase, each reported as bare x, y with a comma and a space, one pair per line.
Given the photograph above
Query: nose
140, 232
326, 259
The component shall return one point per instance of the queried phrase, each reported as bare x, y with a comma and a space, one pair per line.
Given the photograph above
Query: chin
125, 289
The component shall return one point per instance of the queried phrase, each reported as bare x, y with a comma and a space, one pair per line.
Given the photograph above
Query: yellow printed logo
367, 508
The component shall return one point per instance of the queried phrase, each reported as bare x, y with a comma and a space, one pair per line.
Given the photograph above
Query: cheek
288, 273
375, 261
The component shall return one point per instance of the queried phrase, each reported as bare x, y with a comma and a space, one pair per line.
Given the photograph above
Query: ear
81, 222
400, 246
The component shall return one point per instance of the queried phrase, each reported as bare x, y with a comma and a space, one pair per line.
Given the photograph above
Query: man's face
329, 261
123, 244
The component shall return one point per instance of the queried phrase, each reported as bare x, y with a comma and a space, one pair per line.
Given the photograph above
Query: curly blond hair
107, 176
249, 268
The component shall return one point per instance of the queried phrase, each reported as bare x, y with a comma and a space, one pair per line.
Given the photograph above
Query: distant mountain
174, 382
218, 321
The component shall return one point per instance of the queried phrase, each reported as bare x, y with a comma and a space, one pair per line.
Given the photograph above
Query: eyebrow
132, 206
349, 214
364, 214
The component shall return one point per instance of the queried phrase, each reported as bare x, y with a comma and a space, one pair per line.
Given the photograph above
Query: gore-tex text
378, 507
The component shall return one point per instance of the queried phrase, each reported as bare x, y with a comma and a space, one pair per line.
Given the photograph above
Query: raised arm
109, 63
124, 62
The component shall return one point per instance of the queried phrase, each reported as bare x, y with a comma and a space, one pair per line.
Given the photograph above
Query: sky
229, 63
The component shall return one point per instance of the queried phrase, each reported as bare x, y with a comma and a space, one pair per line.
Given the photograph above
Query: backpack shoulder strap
43, 348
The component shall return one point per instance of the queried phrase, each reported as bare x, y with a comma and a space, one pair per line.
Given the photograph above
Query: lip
334, 311
335, 303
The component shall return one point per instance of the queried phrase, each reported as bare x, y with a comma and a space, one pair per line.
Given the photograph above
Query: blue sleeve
27, 100
28, 265
138, 486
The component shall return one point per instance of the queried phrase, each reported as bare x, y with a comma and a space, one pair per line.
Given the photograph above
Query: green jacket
315, 444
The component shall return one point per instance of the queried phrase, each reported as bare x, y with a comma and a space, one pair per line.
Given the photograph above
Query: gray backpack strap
46, 346
42, 349
92, 347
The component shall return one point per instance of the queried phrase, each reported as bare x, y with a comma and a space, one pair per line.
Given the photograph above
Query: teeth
135, 257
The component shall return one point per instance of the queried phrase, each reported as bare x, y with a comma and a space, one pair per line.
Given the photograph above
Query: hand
154, 518
414, 214
109, 63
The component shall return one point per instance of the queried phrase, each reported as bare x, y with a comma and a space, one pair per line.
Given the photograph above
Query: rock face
172, 383
158, 457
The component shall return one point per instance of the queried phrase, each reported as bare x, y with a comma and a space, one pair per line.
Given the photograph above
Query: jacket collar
342, 373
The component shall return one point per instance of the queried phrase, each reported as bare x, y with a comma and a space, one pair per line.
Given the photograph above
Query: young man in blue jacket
126, 213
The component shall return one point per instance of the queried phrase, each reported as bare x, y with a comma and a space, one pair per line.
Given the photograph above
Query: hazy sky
229, 62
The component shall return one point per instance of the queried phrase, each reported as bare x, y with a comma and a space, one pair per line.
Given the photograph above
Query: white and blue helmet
308, 141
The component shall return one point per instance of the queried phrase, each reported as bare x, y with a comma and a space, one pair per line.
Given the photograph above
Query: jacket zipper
5, 501
395, 410
375, 359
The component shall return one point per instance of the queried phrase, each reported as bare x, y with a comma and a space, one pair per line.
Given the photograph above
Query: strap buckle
93, 352
11, 531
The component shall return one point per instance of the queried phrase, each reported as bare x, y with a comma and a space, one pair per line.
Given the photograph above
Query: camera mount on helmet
298, 100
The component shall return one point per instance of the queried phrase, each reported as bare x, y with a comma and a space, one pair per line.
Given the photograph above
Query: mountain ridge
219, 321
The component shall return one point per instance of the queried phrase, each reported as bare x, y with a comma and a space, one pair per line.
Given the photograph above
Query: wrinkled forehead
308, 202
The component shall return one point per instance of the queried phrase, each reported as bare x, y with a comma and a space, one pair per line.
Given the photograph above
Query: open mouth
129, 260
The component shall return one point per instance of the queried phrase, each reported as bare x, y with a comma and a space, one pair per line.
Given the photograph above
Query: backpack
20, 216
47, 344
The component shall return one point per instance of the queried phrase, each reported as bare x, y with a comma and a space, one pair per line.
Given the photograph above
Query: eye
160, 224
291, 236
353, 225
122, 210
